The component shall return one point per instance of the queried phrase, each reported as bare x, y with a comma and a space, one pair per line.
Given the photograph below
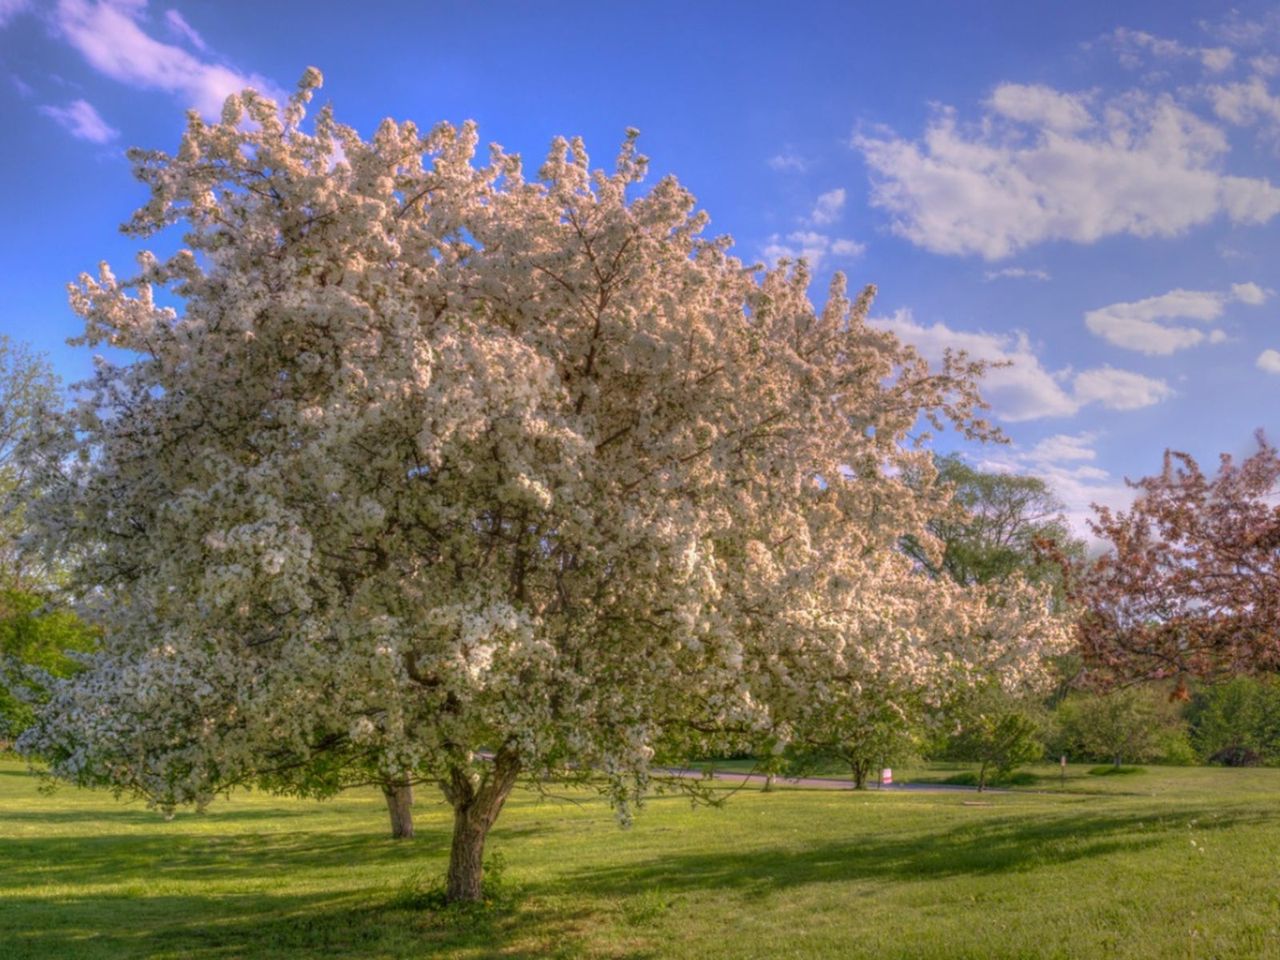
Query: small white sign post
886, 777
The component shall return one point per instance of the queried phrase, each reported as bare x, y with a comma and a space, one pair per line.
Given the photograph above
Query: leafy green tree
1129, 723
999, 525
1002, 525
1000, 733
863, 734
37, 641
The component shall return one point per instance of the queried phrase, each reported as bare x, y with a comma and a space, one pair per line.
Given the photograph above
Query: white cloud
1041, 106
1249, 293
1119, 389
1142, 325
790, 161
1246, 103
812, 246
1016, 273
1266, 64
827, 209
1064, 447
1269, 361
11, 8
1022, 389
1144, 166
1217, 59
109, 35
179, 26
82, 121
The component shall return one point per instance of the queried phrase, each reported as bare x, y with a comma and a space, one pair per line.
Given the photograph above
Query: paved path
820, 783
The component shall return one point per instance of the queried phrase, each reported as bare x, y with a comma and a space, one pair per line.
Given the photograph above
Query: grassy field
1166, 863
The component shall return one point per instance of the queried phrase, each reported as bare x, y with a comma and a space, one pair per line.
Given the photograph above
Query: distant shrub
1176, 750
1237, 720
1237, 755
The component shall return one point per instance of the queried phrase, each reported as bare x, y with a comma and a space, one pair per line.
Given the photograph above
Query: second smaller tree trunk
860, 771
399, 796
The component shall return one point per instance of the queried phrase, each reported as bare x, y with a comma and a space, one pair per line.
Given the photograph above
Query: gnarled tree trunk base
475, 808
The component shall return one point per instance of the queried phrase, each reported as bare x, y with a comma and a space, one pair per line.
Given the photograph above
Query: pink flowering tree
1190, 586
426, 472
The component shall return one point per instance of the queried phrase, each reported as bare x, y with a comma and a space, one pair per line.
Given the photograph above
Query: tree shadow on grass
88, 897
238, 927
995, 846
130, 858
139, 815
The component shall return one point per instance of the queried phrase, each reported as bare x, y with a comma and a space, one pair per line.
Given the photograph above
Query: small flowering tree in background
444, 475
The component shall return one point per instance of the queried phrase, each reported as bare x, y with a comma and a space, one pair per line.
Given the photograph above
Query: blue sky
1085, 190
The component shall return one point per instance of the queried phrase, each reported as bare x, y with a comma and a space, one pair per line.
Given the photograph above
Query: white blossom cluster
435, 459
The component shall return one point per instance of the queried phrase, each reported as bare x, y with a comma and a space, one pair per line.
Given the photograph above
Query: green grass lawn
1166, 863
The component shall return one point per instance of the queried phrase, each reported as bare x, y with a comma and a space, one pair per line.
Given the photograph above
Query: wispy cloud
828, 208
1022, 388
1063, 447
789, 161
1269, 361
1016, 273
1241, 31
1044, 165
110, 35
1135, 48
179, 26
11, 8
82, 121
1144, 326
1067, 463
812, 246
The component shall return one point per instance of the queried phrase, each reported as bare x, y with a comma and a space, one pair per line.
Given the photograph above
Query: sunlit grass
1164, 863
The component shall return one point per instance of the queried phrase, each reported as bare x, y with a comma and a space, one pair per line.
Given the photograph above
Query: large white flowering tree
425, 472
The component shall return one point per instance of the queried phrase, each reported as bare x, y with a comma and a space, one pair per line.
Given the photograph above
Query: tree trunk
982, 778
768, 782
475, 807
859, 776
399, 798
